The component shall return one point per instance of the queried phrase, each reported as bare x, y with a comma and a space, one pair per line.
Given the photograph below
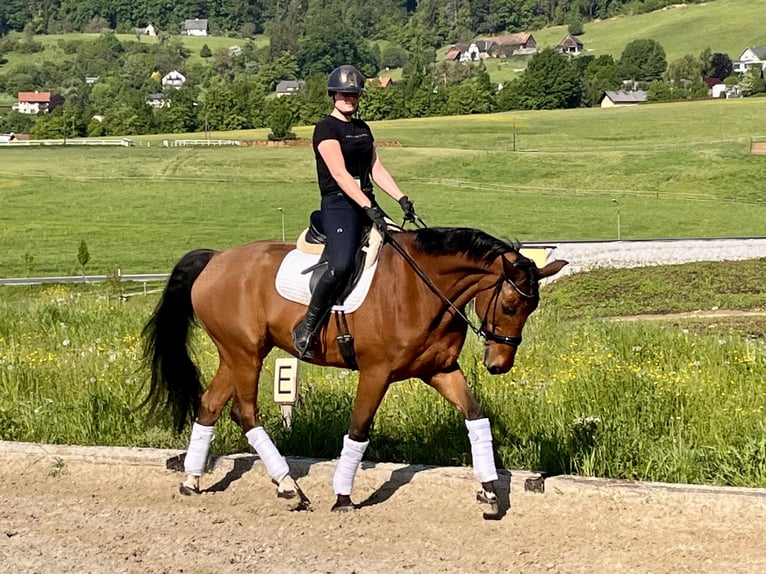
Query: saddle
312, 241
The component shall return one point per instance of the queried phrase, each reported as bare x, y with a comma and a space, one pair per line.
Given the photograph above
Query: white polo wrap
275, 463
482, 453
350, 458
199, 445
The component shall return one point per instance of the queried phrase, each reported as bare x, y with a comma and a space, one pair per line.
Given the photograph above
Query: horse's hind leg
245, 413
212, 402
370, 392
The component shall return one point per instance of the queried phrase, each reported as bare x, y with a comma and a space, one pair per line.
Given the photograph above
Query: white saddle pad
294, 286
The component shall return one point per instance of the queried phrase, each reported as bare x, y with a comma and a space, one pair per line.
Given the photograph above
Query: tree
281, 121
205, 51
752, 82
600, 75
721, 65
550, 81
329, 43
83, 256
685, 68
643, 60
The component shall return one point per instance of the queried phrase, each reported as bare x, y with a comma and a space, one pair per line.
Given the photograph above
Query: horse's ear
551, 268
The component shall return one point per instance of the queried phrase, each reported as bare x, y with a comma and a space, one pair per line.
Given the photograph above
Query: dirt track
58, 513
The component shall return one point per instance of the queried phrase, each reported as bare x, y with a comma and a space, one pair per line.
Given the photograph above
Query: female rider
347, 164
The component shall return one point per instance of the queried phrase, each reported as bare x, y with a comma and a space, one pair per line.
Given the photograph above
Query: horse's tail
175, 379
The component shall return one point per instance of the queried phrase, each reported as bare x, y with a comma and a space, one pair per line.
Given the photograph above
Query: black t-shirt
356, 144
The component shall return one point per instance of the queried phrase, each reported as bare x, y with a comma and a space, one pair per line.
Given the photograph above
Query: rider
347, 163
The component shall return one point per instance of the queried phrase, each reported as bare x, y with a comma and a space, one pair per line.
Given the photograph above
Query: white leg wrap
482, 454
275, 463
350, 458
199, 445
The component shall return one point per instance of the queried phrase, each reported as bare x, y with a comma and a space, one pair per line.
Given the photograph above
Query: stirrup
306, 349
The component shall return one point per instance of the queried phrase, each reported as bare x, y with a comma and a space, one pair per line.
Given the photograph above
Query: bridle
511, 340
482, 331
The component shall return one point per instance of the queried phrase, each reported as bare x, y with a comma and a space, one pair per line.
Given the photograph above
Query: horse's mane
476, 244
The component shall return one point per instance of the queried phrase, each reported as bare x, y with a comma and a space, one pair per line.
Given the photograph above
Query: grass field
680, 170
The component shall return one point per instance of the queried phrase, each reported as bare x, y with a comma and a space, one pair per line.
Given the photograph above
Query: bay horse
412, 324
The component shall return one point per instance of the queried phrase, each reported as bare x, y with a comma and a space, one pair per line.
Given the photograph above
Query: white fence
77, 142
182, 143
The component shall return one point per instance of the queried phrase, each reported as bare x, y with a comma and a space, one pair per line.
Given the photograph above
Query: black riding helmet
345, 80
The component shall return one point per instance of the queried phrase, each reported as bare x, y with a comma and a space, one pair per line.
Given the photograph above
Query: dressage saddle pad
294, 286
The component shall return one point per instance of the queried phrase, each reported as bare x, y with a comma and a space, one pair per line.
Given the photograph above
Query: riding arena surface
65, 511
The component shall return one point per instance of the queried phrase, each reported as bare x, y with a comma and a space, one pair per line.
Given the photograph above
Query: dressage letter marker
286, 386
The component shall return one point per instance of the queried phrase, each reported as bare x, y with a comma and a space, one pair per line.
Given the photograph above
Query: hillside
727, 26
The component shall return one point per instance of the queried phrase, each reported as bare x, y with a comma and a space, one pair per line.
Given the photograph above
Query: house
150, 30
33, 102
385, 81
456, 53
620, 98
519, 44
289, 87
195, 27
570, 45
750, 58
173, 79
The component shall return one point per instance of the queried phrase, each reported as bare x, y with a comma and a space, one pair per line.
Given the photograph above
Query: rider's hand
408, 209
377, 217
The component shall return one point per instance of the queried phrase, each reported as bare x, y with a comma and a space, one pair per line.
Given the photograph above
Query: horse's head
504, 308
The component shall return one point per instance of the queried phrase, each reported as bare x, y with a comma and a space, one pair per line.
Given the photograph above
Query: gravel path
622, 254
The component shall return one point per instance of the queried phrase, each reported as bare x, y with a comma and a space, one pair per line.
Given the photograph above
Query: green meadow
727, 26
677, 170
680, 400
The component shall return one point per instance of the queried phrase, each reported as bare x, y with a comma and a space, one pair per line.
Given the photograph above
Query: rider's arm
332, 155
383, 179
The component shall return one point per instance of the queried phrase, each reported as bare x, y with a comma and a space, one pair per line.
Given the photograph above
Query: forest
435, 22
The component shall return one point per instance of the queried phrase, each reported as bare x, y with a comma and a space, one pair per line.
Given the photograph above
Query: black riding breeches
342, 220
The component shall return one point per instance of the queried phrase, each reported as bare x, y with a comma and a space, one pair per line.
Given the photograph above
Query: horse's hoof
288, 489
493, 508
343, 504
188, 490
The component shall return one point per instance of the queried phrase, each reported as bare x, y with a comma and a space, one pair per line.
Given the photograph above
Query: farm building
195, 27
619, 98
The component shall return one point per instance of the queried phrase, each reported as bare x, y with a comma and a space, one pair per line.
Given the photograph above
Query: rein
511, 340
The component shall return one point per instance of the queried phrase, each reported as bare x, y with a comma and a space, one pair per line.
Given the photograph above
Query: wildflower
637, 349
65, 342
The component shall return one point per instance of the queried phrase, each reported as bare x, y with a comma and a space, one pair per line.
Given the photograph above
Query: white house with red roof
33, 102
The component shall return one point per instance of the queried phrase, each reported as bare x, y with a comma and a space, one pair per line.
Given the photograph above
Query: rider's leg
340, 221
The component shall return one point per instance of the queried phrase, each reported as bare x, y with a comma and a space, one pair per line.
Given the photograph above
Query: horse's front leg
453, 387
370, 391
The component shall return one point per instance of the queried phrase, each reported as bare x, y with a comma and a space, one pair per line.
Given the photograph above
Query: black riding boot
321, 303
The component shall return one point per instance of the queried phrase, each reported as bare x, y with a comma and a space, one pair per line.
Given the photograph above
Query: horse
412, 324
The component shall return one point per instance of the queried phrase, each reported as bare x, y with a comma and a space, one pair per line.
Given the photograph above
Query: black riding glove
377, 217
408, 209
